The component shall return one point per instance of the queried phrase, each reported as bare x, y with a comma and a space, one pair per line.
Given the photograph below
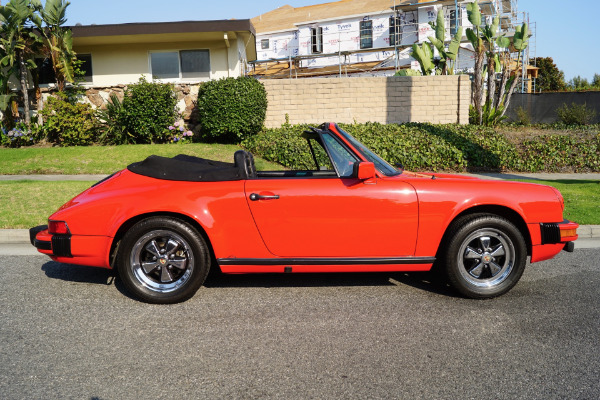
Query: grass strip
107, 159
24, 204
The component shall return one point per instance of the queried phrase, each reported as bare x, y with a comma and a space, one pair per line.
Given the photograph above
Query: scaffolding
337, 53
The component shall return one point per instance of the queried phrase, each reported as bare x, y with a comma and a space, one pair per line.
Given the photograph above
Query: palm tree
58, 40
18, 44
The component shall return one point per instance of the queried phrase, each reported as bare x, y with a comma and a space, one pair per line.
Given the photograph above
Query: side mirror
364, 170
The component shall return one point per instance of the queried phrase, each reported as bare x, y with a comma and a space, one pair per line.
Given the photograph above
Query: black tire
485, 255
163, 260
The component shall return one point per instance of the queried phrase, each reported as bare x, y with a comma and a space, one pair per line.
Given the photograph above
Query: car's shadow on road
78, 273
426, 281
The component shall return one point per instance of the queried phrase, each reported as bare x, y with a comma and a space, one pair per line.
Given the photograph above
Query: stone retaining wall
187, 95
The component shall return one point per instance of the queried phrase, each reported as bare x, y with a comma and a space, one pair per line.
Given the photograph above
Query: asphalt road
70, 332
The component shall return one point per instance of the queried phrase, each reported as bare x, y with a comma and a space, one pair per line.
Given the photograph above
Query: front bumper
562, 232
552, 238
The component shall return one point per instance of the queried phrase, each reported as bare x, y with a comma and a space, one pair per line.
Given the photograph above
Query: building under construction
366, 38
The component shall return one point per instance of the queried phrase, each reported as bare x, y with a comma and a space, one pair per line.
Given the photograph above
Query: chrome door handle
255, 197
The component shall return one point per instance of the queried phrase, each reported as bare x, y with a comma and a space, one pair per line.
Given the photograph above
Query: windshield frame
382, 166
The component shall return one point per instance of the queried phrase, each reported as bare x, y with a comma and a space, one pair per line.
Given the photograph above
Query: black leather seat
245, 162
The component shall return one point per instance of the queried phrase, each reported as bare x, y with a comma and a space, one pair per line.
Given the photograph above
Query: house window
86, 67
395, 37
453, 22
184, 64
46, 72
195, 64
366, 34
316, 40
264, 44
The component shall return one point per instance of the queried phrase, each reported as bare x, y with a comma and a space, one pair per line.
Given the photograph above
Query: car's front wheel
485, 256
163, 260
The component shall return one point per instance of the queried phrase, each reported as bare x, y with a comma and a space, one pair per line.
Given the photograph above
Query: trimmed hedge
231, 109
427, 147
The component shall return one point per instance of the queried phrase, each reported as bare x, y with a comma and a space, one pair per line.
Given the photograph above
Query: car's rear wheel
485, 256
163, 260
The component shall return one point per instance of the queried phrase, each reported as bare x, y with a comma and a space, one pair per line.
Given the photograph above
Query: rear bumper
46, 243
72, 249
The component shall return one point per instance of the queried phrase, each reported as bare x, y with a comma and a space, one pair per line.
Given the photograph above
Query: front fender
442, 200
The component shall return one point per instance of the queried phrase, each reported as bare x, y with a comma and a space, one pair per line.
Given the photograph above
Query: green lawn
106, 159
24, 204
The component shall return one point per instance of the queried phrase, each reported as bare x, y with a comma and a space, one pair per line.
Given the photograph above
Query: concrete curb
10, 236
589, 231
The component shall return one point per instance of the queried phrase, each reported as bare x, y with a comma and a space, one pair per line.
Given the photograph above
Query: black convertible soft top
194, 169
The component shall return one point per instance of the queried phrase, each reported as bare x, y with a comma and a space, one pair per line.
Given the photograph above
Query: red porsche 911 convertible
163, 223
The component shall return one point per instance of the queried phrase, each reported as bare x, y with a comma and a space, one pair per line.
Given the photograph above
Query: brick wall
436, 99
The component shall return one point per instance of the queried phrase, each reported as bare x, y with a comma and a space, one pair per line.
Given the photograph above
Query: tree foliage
28, 29
499, 52
444, 64
550, 78
18, 45
58, 40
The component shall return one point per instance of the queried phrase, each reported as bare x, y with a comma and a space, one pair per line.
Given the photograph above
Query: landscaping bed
458, 148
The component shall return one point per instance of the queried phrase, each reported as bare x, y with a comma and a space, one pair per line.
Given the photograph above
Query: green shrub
148, 109
231, 109
68, 123
282, 145
428, 147
556, 153
113, 129
418, 147
575, 114
523, 116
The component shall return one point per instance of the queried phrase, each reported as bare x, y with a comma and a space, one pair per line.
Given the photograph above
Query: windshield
380, 164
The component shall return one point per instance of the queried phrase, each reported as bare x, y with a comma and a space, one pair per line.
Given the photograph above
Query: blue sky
566, 30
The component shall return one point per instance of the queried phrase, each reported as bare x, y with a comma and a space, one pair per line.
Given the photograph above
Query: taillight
58, 228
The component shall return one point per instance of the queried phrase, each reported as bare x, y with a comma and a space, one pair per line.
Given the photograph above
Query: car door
334, 217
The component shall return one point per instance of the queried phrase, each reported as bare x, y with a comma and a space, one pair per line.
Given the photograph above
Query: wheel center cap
162, 261
487, 258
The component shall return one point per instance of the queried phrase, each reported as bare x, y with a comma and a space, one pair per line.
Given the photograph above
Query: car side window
320, 156
342, 159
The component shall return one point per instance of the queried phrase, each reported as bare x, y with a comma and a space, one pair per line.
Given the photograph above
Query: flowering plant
179, 133
16, 137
